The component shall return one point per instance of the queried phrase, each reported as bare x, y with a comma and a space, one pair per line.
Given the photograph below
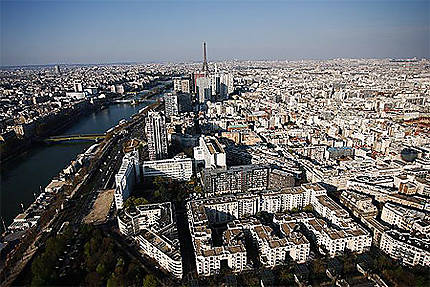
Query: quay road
79, 205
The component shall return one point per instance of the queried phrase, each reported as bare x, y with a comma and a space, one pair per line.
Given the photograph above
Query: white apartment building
209, 258
181, 85
179, 168
127, 176
361, 205
227, 208
171, 105
405, 218
376, 227
403, 247
210, 152
185, 86
154, 229
274, 251
156, 134
335, 240
131, 221
234, 209
161, 250
329, 209
204, 89
289, 198
344, 234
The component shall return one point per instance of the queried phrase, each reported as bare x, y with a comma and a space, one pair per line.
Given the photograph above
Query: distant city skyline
45, 32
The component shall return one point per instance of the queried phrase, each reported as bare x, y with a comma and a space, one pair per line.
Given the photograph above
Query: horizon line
214, 61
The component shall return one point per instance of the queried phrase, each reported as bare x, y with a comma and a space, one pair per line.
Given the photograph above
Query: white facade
132, 221
210, 152
204, 89
402, 217
335, 240
411, 251
156, 134
154, 229
185, 86
127, 176
329, 209
274, 251
235, 209
171, 105
162, 251
176, 168
289, 198
361, 205
181, 85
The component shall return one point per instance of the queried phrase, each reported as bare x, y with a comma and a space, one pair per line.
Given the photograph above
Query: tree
133, 275
112, 282
382, 262
251, 280
349, 264
140, 201
294, 210
42, 267
39, 272
133, 201
318, 266
159, 182
286, 276
101, 269
150, 281
87, 250
308, 208
93, 279
129, 202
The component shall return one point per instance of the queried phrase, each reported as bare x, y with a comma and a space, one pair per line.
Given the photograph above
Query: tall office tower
156, 134
57, 69
177, 84
205, 62
78, 86
226, 85
184, 103
185, 86
194, 78
181, 84
204, 89
171, 106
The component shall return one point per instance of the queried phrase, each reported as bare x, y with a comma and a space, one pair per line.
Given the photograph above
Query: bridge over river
81, 137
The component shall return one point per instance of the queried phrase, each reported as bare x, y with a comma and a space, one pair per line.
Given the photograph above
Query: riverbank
53, 127
56, 125
70, 204
34, 168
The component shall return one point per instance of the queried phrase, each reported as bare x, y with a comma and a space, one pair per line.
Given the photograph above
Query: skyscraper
78, 86
57, 69
204, 89
171, 106
156, 134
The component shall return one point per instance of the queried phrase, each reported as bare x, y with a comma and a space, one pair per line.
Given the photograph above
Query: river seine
23, 176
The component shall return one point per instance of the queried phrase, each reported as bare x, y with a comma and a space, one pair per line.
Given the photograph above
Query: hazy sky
46, 32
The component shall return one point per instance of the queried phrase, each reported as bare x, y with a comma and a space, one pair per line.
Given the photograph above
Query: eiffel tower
205, 62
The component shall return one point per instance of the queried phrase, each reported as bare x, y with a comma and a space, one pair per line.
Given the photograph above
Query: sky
58, 31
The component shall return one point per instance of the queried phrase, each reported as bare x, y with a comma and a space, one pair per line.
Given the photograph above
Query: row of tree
98, 262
